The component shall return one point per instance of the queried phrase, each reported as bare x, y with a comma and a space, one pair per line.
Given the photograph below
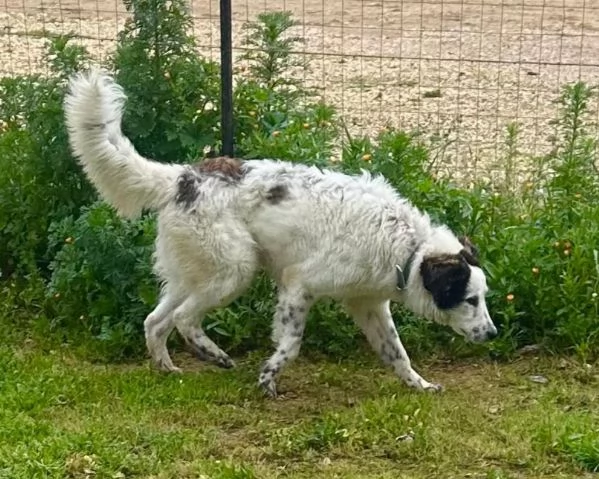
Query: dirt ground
458, 69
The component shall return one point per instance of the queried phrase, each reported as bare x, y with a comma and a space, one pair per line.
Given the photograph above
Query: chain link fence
459, 71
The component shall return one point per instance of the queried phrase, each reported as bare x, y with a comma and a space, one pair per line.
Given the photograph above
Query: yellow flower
535, 270
367, 157
510, 297
306, 125
567, 252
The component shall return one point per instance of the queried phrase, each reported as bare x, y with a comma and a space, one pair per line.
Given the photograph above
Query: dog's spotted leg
288, 329
205, 348
375, 320
188, 318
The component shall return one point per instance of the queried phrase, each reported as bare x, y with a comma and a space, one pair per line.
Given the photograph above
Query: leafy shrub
274, 118
172, 110
89, 286
538, 247
39, 181
101, 277
543, 271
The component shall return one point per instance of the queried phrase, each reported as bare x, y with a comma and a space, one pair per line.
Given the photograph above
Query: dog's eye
473, 300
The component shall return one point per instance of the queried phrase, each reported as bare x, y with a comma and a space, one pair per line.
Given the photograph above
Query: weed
270, 53
432, 94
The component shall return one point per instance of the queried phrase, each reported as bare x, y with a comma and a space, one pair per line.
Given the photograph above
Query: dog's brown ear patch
446, 278
228, 167
470, 251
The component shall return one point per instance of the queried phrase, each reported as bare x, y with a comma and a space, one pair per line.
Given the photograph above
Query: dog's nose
491, 334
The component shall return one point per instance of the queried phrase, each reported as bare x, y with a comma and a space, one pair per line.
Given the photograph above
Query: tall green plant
271, 54
276, 116
540, 242
173, 112
102, 281
39, 180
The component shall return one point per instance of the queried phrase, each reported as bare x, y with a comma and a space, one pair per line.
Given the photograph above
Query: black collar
403, 274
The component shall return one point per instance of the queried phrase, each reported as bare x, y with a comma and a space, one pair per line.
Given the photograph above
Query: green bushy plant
277, 117
86, 283
102, 281
539, 244
172, 111
270, 52
39, 181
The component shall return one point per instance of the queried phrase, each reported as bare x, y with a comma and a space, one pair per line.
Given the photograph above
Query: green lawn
62, 417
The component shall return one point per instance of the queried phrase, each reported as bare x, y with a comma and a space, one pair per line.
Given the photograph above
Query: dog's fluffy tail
124, 178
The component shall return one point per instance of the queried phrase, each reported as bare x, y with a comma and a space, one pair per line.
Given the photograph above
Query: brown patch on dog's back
221, 165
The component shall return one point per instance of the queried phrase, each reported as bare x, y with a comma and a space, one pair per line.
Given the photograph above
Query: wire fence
459, 71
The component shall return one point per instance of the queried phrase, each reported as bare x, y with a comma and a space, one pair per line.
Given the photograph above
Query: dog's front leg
375, 320
288, 329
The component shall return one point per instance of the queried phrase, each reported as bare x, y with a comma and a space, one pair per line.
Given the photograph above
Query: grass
64, 417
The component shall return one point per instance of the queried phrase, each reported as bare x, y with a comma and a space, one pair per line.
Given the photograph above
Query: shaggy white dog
316, 232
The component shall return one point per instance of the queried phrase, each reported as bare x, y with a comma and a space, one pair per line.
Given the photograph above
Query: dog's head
457, 286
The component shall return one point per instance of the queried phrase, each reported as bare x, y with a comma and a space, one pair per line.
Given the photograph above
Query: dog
316, 232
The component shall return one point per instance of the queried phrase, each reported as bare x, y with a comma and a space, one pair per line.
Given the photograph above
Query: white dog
317, 233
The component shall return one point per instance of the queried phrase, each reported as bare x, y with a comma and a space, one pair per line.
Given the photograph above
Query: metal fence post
226, 69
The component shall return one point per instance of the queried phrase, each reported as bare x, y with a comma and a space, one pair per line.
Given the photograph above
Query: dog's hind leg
375, 320
204, 348
288, 329
158, 325
188, 323
189, 316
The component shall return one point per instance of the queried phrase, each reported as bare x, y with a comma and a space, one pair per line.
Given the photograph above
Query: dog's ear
470, 251
446, 278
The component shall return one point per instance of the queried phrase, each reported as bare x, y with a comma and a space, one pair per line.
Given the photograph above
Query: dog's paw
269, 387
219, 358
433, 388
167, 367
224, 362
